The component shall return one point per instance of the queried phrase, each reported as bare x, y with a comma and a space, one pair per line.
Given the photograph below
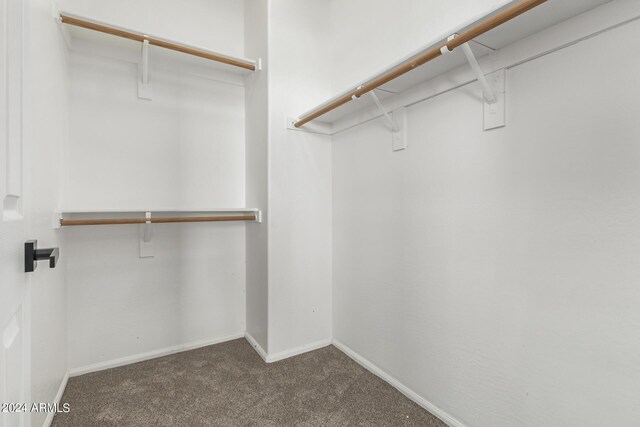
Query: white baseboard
448, 419
270, 358
296, 351
101, 366
56, 400
257, 347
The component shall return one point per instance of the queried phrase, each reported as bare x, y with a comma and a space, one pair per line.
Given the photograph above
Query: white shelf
164, 211
89, 214
544, 16
90, 42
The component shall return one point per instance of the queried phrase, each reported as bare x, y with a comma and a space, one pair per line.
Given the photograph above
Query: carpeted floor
229, 385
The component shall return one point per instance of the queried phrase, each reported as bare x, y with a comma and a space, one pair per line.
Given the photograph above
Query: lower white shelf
72, 218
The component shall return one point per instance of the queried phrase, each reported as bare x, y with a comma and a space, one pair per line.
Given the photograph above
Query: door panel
12, 369
13, 68
14, 340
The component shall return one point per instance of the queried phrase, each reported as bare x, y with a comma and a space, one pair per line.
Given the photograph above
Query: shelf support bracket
493, 92
146, 235
489, 93
493, 87
393, 125
145, 90
397, 121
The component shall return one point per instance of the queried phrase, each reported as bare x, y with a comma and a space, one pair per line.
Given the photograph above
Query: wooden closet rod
113, 221
479, 29
83, 23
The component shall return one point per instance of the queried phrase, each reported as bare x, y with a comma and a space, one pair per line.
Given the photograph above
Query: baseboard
257, 347
56, 400
448, 419
151, 355
296, 351
270, 358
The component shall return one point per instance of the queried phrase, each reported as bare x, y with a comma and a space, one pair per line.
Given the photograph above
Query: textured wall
368, 35
257, 169
184, 149
300, 179
495, 273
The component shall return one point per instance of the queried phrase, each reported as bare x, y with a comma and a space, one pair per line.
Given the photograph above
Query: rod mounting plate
495, 113
146, 238
399, 135
311, 127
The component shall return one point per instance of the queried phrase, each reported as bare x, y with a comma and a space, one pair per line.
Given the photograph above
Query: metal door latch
32, 255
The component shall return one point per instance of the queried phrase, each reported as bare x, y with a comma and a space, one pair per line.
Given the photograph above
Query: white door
14, 339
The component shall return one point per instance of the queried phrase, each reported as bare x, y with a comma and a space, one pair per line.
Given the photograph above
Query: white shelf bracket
394, 127
489, 93
146, 236
397, 121
145, 90
493, 86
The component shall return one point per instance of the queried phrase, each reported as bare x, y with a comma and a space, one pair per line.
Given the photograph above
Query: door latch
32, 255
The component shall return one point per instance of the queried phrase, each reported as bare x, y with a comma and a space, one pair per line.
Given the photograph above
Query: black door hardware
32, 255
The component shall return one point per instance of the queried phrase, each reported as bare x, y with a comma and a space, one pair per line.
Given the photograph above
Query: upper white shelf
531, 22
87, 35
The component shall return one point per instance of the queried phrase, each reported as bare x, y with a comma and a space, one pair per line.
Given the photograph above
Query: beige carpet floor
229, 385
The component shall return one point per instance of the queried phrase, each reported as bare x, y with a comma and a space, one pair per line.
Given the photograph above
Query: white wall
184, 149
368, 35
45, 133
257, 169
495, 273
300, 179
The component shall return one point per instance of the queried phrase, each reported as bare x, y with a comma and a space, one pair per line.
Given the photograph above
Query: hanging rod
117, 221
127, 34
475, 31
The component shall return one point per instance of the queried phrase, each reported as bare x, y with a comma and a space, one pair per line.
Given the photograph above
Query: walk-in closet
319, 213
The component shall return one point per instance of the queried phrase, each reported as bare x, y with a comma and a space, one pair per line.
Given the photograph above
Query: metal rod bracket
354, 96
445, 49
